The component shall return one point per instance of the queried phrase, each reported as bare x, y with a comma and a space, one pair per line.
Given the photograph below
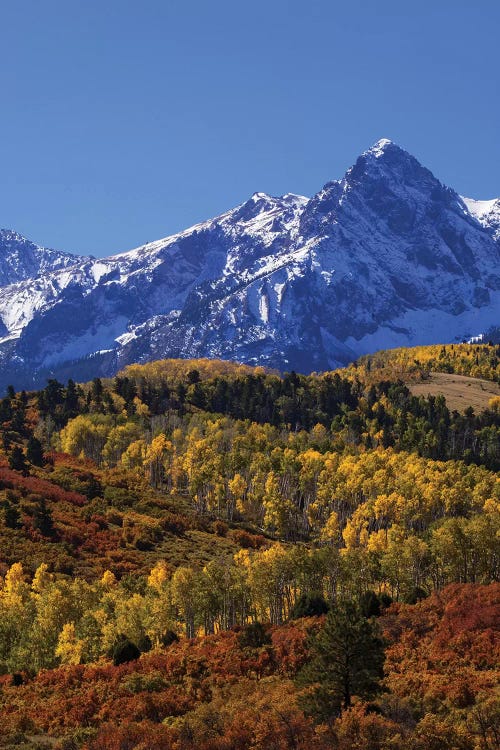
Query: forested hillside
205, 500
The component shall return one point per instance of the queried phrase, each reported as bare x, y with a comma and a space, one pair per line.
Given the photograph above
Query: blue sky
123, 122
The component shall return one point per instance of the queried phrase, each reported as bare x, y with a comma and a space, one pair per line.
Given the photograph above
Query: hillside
168, 512
415, 364
460, 391
441, 670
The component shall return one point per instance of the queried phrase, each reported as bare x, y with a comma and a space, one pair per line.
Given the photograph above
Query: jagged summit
21, 259
380, 147
385, 256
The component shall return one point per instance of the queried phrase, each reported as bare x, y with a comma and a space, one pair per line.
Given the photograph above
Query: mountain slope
386, 256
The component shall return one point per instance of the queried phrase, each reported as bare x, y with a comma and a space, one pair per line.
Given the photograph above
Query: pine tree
12, 516
42, 518
347, 660
34, 451
17, 460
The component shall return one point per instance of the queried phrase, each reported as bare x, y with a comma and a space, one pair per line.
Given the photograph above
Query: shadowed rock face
386, 256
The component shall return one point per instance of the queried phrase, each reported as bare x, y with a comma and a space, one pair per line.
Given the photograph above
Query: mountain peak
12, 235
379, 147
386, 256
384, 146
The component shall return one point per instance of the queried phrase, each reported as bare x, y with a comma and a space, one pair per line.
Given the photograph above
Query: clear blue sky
123, 121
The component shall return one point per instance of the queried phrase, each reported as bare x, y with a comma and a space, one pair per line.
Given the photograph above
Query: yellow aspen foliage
158, 576
494, 403
69, 648
15, 585
141, 409
157, 458
243, 557
355, 533
86, 436
108, 580
41, 579
237, 487
318, 434
331, 530
492, 506
134, 456
377, 541
184, 595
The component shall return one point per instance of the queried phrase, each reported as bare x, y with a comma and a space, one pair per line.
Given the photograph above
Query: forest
191, 549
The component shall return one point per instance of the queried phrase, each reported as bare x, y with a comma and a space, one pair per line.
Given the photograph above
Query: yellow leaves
134, 456
108, 580
243, 557
237, 486
158, 458
141, 409
183, 585
350, 535
494, 404
69, 648
86, 435
118, 440
318, 434
14, 577
158, 576
41, 579
377, 541
492, 506
15, 587
386, 507
355, 533
159, 448
331, 530
170, 371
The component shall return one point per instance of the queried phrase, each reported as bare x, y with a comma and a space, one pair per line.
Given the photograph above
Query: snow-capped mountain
385, 256
21, 259
487, 213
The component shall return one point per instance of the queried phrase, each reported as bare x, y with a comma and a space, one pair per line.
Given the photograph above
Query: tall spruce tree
34, 451
347, 660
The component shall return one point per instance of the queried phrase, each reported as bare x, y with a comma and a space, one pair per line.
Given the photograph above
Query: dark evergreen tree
254, 635
193, 377
34, 451
18, 422
347, 659
42, 518
369, 604
309, 606
17, 460
12, 516
71, 400
124, 651
5, 410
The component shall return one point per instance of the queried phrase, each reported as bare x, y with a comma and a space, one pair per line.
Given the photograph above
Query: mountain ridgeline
387, 256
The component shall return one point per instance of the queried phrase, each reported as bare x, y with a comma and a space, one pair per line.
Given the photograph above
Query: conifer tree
17, 460
347, 660
34, 451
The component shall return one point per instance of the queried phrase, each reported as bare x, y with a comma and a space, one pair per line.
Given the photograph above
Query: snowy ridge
486, 212
385, 256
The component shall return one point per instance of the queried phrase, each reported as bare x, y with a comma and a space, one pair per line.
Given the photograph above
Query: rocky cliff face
386, 256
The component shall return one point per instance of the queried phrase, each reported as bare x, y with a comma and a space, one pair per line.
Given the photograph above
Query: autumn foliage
180, 521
